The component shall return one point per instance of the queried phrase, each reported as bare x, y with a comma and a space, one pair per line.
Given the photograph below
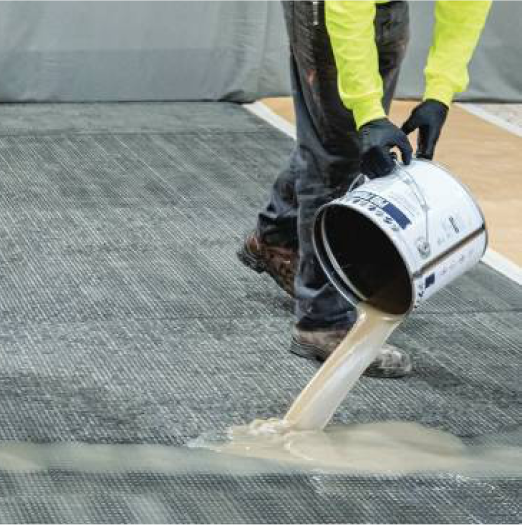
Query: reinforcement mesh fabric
125, 318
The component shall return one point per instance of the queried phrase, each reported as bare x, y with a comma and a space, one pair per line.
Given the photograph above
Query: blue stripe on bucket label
430, 279
386, 206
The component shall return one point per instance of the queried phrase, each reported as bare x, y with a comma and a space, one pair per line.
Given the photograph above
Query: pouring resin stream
379, 448
315, 406
388, 447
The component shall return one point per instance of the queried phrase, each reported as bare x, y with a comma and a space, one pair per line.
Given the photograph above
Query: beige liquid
317, 403
389, 447
385, 447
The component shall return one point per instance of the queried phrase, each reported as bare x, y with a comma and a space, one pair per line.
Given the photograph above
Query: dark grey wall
87, 51
208, 50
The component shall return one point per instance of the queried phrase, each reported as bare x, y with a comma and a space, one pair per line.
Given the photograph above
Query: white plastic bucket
395, 241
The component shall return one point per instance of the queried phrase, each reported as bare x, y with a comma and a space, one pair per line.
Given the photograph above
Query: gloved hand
428, 117
376, 140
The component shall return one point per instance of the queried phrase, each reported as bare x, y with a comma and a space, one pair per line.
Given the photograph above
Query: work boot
279, 263
391, 362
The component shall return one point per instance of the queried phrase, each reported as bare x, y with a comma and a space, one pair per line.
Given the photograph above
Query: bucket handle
356, 180
424, 247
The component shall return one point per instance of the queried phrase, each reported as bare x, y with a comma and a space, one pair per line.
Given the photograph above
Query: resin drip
317, 403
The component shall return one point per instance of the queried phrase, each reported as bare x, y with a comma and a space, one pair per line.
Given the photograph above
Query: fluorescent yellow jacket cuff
367, 110
440, 91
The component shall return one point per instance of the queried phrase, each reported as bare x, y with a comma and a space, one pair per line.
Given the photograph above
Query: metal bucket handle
424, 247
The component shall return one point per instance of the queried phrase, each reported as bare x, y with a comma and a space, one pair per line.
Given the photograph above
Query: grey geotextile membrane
125, 318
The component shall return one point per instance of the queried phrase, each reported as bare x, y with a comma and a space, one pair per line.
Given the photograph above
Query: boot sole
259, 266
308, 351
313, 352
388, 373
252, 262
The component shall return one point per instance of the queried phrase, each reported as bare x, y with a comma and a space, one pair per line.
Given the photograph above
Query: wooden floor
486, 158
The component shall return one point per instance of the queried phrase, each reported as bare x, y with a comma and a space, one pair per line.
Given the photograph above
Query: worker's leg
277, 224
327, 143
328, 147
326, 157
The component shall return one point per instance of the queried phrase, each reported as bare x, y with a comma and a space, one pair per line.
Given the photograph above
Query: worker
345, 63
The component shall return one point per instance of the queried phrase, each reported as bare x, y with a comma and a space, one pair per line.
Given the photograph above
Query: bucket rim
351, 293
333, 271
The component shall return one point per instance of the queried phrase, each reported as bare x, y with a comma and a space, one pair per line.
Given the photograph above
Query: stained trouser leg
326, 157
327, 143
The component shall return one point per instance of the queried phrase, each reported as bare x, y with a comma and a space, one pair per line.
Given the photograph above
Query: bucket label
430, 279
386, 206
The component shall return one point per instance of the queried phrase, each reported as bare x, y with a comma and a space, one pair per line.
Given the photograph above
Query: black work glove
376, 140
428, 117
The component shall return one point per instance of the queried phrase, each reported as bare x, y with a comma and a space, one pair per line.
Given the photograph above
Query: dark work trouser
326, 157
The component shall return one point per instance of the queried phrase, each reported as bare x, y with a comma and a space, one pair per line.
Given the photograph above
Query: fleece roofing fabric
125, 318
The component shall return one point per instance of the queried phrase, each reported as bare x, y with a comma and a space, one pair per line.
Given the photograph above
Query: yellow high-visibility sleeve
458, 24
351, 30
350, 25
